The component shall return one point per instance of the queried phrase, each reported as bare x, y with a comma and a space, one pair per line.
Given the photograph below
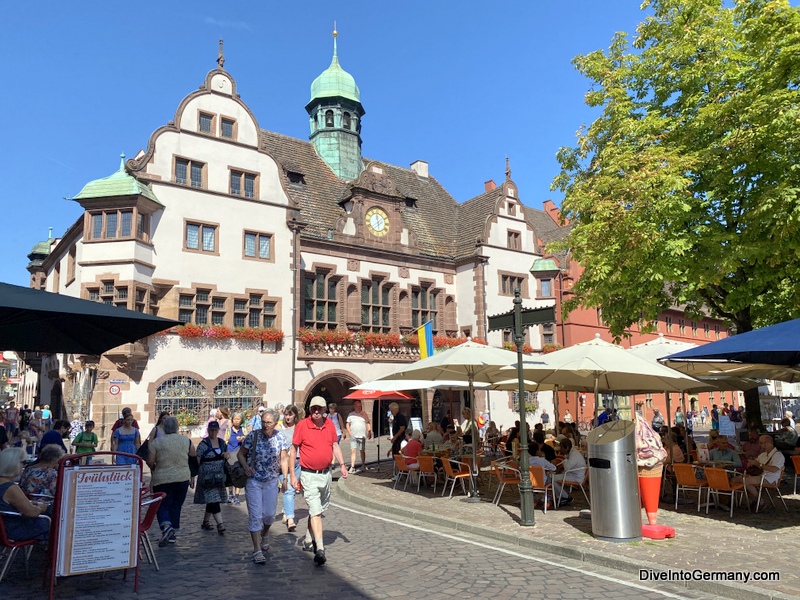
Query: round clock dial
377, 222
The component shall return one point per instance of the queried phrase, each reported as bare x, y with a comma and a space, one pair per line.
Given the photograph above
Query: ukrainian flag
425, 335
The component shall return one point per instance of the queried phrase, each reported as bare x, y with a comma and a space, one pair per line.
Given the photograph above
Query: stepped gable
432, 214
472, 218
317, 198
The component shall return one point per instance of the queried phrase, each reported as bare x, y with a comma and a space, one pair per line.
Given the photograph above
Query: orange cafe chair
767, 486
539, 484
426, 470
452, 475
687, 480
402, 470
718, 483
506, 475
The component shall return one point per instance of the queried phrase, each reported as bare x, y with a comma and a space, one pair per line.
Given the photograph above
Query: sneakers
310, 546
259, 558
230, 499
236, 501
351, 471
172, 539
565, 501
319, 557
165, 533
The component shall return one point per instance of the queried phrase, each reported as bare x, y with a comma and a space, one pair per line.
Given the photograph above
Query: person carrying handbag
263, 454
212, 452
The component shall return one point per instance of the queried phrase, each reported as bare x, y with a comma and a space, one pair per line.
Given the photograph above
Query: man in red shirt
315, 437
120, 422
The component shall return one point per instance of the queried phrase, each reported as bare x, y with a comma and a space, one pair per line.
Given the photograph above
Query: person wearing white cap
315, 439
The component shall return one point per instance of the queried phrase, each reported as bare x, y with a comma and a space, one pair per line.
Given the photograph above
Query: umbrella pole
380, 421
669, 429
555, 409
475, 495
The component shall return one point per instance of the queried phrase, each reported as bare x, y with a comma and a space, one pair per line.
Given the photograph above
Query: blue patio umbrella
768, 353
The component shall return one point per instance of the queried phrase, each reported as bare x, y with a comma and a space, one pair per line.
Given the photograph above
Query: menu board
99, 525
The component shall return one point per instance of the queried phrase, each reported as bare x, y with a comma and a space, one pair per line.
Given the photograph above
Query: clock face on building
377, 222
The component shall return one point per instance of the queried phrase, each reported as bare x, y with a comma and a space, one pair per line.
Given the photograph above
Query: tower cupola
335, 113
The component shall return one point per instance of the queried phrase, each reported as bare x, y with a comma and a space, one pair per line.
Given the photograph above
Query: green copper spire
335, 81
120, 183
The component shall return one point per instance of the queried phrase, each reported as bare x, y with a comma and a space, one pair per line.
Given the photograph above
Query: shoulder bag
236, 471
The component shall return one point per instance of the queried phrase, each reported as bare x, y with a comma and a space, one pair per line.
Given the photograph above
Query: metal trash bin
614, 481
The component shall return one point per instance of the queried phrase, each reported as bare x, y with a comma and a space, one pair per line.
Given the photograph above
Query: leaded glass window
320, 302
185, 397
238, 393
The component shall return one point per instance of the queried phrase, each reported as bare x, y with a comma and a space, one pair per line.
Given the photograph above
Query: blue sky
460, 85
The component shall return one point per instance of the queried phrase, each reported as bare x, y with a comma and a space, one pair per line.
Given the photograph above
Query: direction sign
530, 316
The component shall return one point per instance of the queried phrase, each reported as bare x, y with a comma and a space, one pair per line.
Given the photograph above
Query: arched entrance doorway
332, 388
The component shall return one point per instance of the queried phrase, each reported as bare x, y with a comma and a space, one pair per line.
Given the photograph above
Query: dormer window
296, 178
328, 118
346, 120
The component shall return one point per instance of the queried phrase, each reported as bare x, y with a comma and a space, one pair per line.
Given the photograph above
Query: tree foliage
684, 192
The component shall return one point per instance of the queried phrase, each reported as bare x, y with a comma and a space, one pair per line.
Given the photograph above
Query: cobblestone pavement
368, 557
746, 542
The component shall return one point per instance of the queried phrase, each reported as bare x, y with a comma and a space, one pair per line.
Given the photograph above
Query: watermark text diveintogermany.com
700, 575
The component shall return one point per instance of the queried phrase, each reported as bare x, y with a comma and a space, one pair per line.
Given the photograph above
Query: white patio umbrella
597, 365
468, 362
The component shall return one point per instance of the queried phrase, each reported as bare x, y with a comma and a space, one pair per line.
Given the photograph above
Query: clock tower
335, 113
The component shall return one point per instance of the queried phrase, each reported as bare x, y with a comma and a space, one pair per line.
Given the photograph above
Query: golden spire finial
221, 57
335, 33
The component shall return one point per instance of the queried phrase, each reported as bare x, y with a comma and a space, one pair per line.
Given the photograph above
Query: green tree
684, 192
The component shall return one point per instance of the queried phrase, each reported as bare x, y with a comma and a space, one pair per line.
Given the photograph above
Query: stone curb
735, 591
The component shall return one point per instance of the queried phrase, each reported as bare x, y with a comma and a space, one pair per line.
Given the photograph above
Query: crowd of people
284, 452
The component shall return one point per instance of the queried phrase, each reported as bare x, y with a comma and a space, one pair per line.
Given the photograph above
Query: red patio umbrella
377, 395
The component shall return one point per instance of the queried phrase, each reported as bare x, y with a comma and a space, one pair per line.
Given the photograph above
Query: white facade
195, 261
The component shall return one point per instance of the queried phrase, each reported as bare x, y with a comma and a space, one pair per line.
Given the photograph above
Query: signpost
95, 518
516, 320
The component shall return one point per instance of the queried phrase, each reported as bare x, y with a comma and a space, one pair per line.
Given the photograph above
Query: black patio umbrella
36, 321
770, 352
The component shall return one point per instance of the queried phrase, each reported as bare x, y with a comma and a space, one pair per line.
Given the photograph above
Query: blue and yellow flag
425, 335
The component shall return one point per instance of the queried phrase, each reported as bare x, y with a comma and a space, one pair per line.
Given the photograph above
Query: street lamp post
527, 517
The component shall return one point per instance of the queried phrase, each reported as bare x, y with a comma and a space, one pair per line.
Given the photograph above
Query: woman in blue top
235, 436
126, 439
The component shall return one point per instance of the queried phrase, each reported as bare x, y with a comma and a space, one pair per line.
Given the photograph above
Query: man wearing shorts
12, 419
359, 430
315, 439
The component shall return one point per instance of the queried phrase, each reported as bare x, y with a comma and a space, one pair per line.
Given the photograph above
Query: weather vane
221, 57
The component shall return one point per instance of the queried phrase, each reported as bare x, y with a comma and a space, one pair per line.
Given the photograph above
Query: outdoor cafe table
436, 453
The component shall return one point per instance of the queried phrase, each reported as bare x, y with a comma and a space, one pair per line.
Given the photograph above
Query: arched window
346, 120
239, 393
185, 397
328, 118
